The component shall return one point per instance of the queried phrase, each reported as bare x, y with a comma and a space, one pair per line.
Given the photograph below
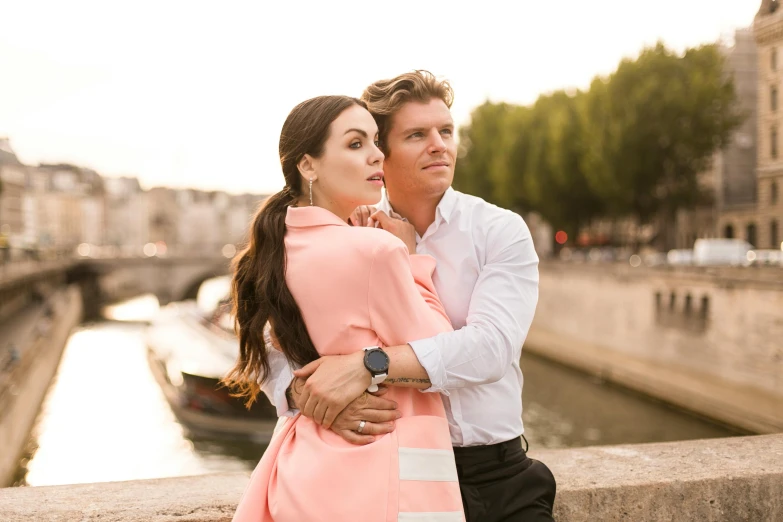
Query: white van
680, 256
732, 252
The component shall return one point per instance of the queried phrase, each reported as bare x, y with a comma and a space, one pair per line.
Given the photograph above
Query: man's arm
500, 313
400, 308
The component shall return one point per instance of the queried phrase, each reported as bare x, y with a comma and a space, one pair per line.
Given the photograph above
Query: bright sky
185, 93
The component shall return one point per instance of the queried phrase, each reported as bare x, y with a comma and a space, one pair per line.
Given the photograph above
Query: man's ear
306, 166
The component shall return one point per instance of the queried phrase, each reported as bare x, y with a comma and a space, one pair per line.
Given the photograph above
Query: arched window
750, 234
728, 232
774, 238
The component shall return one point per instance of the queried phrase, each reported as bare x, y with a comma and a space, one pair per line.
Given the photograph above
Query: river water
106, 419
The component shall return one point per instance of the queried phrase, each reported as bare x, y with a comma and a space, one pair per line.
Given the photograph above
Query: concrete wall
707, 340
710, 480
20, 280
19, 408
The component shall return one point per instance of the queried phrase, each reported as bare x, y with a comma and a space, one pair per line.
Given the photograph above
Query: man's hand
398, 227
378, 414
333, 382
361, 216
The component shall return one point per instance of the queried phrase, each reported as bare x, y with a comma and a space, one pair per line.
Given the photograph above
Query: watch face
377, 361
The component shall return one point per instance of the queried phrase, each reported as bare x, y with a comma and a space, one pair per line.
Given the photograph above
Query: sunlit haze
194, 94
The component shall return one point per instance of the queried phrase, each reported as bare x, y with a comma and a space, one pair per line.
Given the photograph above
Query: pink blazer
359, 287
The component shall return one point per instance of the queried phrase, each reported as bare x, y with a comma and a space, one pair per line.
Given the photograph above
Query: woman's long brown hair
259, 291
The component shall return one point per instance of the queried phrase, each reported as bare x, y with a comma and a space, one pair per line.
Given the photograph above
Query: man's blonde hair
385, 97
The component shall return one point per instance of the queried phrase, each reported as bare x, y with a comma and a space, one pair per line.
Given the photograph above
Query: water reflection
105, 418
565, 408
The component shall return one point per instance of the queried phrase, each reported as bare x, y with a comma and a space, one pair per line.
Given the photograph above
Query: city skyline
192, 97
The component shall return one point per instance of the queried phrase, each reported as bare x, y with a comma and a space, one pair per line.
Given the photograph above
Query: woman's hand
398, 227
378, 414
361, 216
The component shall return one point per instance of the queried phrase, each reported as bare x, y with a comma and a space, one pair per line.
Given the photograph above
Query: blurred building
13, 176
63, 206
239, 217
760, 223
51, 209
735, 181
221, 203
195, 222
731, 180
127, 215
93, 202
199, 230
164, 217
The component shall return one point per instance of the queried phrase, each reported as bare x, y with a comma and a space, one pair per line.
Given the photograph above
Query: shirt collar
445, 207
302, 217
446, 204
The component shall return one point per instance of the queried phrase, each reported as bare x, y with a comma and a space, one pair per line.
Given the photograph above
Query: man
487, 279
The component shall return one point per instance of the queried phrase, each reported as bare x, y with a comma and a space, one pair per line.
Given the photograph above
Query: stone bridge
168, 278
104, 281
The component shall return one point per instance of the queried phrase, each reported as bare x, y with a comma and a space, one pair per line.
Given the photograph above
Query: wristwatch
377, 363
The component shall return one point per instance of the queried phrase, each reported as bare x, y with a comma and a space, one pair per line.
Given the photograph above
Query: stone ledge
732, 479
204, 498
738, 478
765, 278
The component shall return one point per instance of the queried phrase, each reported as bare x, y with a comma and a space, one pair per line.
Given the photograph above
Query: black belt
497, 451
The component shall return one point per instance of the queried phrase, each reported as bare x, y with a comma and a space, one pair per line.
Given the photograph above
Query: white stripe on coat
443, 516
427, 464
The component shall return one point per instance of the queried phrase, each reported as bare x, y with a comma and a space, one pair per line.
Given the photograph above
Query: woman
323, 285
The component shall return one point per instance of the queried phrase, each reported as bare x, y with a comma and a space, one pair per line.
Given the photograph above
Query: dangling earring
311, 192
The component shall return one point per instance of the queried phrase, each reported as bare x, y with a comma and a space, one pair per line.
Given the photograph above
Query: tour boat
189, 352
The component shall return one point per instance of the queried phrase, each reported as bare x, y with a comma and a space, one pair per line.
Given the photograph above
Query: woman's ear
306, 166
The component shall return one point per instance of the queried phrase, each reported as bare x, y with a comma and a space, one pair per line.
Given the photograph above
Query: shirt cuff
284, 380
429, 357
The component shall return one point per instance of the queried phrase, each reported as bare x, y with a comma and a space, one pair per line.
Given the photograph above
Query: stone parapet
731, 479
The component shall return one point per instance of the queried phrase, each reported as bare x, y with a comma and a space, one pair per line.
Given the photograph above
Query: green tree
482, 167
652, 127
633, 145
549, 154
530, 159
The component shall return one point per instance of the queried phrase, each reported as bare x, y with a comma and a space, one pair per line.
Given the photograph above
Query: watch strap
376, 379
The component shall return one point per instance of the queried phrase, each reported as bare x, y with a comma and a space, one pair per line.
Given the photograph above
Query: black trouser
499, 483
